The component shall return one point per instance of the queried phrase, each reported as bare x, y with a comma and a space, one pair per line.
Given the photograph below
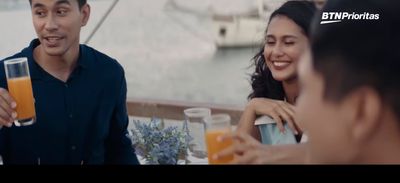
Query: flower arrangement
157, 144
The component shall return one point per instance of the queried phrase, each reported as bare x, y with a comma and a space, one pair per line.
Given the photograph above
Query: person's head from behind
58, 23
319, 3
349, 102
286, 37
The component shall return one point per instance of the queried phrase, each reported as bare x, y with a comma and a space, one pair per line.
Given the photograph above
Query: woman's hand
278, 110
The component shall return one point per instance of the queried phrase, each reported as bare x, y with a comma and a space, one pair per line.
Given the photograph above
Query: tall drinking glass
20, 89
195, 123
218, 125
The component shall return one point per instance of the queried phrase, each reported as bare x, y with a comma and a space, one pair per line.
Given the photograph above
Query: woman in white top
275, 82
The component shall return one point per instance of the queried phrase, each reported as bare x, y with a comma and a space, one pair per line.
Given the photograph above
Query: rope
172, 5
101, 21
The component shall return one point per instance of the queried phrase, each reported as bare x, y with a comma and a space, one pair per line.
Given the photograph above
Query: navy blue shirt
83, 120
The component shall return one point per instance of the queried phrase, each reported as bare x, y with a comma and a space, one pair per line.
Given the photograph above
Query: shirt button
73, 148
70, 116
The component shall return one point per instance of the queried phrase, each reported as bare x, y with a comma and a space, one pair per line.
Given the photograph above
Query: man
349, 103
319, 3
80, 96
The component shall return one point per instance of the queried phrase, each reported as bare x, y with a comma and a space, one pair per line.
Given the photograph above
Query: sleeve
1, 141
119, 148
2, 85
304, 138
1, 144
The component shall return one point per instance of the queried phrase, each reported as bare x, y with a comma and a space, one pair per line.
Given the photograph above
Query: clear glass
217, 125
195, 126
20, 88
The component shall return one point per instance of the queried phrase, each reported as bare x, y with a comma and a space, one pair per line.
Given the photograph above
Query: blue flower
157, 144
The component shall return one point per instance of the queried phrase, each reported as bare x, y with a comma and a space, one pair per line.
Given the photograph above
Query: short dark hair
262, 82
356, 53
80, 3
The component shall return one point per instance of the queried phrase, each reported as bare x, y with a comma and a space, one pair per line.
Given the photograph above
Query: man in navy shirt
80, 96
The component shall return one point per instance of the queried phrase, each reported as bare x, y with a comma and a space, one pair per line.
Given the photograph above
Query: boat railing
168, 109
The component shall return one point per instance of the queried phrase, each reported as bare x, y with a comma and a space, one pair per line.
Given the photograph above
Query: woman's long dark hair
262, 82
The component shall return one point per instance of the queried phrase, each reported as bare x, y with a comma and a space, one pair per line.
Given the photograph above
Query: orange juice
21, 90
213, 146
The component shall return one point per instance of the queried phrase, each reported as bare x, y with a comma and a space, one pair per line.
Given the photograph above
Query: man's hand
248, 150
7, 108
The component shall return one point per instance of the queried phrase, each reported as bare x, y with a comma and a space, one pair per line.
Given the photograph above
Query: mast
260, 6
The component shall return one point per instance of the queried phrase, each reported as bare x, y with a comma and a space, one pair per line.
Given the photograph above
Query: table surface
191, 161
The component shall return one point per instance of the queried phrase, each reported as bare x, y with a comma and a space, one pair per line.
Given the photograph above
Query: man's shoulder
101, 59
25, 52
22, 53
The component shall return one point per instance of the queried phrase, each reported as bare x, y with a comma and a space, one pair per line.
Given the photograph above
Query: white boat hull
239, 32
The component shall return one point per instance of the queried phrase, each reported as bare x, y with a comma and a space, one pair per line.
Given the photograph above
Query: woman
275, 87
274, 82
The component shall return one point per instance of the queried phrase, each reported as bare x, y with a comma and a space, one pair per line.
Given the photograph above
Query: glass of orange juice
20, 88
217, 125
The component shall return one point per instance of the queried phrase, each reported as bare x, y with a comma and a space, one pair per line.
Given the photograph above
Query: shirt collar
83, 59
37, 72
